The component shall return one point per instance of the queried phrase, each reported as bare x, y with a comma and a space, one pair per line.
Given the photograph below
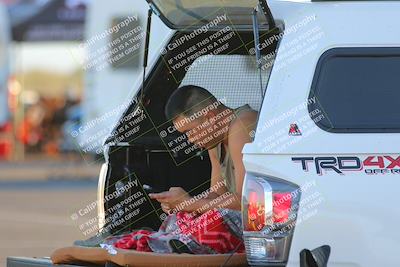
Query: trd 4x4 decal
370, 165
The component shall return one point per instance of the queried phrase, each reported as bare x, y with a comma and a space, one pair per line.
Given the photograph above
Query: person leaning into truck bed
221, 130
211, 223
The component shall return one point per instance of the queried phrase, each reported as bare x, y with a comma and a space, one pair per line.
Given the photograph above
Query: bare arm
216, 178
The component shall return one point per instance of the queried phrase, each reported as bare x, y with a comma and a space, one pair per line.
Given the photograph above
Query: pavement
37, 199
43, 169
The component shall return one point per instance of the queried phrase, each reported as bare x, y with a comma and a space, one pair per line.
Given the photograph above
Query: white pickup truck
330, 124
323, 169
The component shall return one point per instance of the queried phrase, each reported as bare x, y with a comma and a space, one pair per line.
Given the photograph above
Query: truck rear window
358, 90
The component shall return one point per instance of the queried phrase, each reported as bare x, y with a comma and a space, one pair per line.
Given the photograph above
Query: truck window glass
357, 90
125, 44
189, 13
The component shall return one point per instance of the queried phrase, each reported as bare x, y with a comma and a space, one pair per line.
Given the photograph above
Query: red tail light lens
282, 205
255, 198
256, 216
267, 203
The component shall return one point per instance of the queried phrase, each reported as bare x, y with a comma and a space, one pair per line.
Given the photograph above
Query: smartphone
150, 189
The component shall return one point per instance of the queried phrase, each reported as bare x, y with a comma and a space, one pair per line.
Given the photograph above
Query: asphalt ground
35, 210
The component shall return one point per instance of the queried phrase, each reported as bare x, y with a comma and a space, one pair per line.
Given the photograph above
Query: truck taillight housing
256, 199
269, 208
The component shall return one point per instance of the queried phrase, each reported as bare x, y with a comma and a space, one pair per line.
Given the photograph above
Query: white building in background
115, 37
5, 39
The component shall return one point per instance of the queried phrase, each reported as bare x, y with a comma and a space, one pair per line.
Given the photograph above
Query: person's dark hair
187, 100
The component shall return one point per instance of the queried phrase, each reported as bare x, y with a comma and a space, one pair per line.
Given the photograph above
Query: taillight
281, 205
255, 200
269, 207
